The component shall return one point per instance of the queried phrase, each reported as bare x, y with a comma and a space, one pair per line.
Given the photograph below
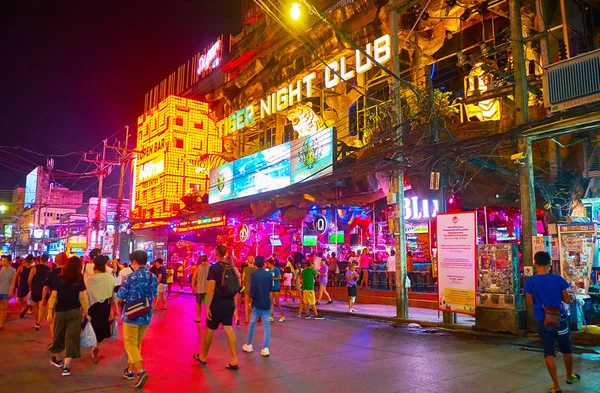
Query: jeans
265, 314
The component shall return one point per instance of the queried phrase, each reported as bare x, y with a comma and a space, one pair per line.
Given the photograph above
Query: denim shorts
549, 334
3, 296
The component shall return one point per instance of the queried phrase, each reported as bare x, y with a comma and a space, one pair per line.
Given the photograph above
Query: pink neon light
206, 60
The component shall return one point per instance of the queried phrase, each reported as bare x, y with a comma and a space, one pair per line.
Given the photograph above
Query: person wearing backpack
546, 292
223, 285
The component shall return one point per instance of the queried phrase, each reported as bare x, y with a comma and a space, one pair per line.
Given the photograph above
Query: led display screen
275, 168
31, 182
336, 238
309, 240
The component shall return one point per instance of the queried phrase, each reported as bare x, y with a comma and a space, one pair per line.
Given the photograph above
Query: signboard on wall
275, 168
31, 183
457, 261
200, 223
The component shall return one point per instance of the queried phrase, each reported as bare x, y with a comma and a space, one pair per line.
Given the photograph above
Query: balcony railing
573, 82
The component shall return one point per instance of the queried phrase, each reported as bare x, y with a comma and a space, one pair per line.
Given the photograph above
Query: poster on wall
457, 259
312, 156
576, 243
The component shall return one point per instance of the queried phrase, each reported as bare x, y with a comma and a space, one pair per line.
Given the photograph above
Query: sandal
552, 390
197, 357
231, 367
574, 378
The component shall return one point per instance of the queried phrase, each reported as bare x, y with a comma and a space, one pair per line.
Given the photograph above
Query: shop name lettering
151, 169
151, 148
413, 210
334, 73
209, 59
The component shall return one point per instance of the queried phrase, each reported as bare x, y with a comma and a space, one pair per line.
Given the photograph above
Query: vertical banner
457, 260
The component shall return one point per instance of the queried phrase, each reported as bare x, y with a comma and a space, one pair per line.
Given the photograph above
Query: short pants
220, 316
200, 297
162, 288
548, 334
3, 296
352, 291
308, 297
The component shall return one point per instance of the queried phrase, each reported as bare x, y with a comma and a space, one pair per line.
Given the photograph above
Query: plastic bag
114, 331
29, 300
88, 337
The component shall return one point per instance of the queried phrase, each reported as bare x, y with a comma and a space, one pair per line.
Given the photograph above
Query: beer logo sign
310, 153
220, 181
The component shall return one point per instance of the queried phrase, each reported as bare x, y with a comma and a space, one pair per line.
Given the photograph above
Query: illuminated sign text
413, 210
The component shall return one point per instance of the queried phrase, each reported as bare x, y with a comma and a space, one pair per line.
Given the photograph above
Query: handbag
551, 314
114, 331
139, 307
88, 337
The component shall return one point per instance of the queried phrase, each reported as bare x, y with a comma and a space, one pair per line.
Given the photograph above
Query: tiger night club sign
333, 73
293, 162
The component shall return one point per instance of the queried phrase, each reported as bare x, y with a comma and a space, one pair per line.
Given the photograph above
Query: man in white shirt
318, 261
88, 269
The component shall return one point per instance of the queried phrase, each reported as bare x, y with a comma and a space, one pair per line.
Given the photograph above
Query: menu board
457, 239
576, 255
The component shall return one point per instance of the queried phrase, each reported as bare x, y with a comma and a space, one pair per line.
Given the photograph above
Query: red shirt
365, 261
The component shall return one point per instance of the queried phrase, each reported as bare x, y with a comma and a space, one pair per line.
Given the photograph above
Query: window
179, 121
288, 133
179, 143
268, 138
199, 126
175, 207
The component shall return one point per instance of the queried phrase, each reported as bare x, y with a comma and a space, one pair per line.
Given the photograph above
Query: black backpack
230, 284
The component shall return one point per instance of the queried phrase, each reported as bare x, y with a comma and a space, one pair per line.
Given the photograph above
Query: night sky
75, 72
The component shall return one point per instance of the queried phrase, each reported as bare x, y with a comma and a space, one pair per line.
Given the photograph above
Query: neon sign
413, 210
201, 223
210, 59
151, 169
334, 73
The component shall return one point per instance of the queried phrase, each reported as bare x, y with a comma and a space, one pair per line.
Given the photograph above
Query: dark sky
75, 72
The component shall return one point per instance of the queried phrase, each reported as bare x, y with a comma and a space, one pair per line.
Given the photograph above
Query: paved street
339, 354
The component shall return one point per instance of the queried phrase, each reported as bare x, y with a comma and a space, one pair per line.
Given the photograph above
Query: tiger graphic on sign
304, 119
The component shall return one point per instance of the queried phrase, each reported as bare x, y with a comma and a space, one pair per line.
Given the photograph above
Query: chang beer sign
333, 74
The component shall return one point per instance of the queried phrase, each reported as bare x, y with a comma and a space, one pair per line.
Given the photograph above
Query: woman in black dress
23, 284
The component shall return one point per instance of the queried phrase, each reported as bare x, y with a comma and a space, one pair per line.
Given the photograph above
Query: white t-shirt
391, 263
287, 279
88, 270
124, 273
318, 261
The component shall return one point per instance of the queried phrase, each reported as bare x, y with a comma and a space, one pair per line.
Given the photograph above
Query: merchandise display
498, 272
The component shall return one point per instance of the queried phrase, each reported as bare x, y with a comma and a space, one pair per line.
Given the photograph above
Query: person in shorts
351, 286
161, 274
275, 290
200, 284
219, 311
550, 290
170, 276
246, 274
8, 278
308, 283
37, 277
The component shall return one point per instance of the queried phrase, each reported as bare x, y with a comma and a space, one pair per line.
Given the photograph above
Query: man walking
161, 274
260, 292
308, 284
37, 277
223, 285
200, 284
140, 286
246, 276
546, 292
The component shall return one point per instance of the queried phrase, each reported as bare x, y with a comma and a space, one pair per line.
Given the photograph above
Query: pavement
338, 354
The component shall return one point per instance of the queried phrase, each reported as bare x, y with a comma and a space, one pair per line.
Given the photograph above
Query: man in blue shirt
139, 285
261, 284
550, 290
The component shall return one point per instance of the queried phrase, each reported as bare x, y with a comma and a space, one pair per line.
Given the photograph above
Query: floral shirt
136, 287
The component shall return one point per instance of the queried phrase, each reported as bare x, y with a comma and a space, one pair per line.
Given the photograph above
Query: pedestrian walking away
246, 275
351, 286
275, 290
323, 278
180, 276
547, 292
261, 292
308, 283
200, 284
100, 290
170, 276
365, 263
8, 279
161, 274
23, 284
60, 261
88, 270
287, 283
223, 285
390, 268
137, 292
67, 303
36, 280
236, 299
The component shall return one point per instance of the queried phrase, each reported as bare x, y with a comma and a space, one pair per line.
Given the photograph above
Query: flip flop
197, 320
233, 368
197, 357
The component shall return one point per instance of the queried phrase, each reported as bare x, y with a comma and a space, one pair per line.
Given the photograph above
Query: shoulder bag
141, 306
551, 314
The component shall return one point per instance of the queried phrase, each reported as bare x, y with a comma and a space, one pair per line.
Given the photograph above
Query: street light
2, 209
295, 11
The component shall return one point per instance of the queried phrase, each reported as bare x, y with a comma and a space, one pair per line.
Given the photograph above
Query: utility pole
526, 185
400, 236
123, 160
101, 163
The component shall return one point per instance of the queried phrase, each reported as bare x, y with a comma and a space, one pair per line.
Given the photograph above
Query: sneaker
128, 374
66, 371
271, 319
307, 316
247, 348
300, 315
574, 379
354, 310
319, 317
329, 302
318, 303
265, 352
281, 319
38, 327
56, 363
142, 379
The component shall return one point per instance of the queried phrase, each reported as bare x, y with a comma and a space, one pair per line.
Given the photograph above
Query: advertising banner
264, 171
577, 243
457, 259
312, 156
221, 183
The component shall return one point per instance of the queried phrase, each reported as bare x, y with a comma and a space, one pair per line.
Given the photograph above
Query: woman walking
365, 263
100, 289
37, 277
66, 305
23, 284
